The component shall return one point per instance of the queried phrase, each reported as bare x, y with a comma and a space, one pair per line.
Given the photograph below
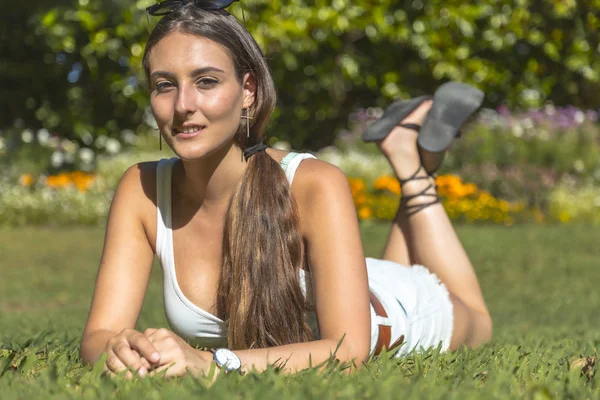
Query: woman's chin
194, 151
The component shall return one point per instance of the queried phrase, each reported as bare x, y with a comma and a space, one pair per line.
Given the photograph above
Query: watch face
227, 359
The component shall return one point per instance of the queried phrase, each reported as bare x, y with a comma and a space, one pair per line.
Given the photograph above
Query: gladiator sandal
411, 209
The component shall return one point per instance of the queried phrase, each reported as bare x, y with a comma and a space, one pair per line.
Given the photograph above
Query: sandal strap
412, 209
414, 176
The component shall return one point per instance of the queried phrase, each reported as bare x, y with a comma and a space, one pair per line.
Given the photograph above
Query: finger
145, 363
123, 375
146, 349
114, 364
165, 335
150, 331
168, 370
125, 353
158, 334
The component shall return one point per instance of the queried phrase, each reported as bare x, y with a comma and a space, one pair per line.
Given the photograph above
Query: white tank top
189, 321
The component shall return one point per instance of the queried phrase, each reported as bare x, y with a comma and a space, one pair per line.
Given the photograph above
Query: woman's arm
123, 275
330, 228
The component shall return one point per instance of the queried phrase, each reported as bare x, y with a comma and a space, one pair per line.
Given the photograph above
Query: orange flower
26, 180
80, 180
58, 181
360, 199
448, 180
387, 182
357, 185
364, 213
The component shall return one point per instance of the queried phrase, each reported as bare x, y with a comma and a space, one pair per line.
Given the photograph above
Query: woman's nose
185, 102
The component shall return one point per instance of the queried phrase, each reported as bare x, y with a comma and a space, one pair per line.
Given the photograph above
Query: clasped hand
155, 351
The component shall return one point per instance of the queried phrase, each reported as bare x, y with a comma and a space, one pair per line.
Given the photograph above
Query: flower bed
540, 165
462, 201
80, 198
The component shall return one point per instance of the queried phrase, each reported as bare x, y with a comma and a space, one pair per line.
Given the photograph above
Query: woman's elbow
354, 352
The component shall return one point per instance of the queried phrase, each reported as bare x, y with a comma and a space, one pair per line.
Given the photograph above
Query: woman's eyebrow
198, 71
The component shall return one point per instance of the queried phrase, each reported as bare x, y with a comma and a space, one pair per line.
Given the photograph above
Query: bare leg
428, 238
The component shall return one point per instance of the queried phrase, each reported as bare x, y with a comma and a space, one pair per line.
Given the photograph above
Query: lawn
541, 284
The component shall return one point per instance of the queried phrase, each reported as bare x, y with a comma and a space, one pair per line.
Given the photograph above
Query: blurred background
74, 103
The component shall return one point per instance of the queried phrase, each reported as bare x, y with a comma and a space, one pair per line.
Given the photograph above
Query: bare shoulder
137, 191
318, 181
312, 171
139, 179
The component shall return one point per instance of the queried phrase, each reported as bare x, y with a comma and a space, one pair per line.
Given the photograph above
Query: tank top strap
291, 162
163, 206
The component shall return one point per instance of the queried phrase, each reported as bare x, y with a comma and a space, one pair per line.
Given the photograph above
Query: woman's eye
162, 86
206, 83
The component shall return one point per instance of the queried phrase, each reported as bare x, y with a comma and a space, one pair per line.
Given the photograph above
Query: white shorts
417, 304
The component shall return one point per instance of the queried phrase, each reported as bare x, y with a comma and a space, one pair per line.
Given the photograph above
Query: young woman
260, 248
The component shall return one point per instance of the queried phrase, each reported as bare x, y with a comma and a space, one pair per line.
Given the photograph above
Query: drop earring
247, 118
159, 140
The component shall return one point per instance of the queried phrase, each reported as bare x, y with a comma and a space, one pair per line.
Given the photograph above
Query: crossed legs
427, 237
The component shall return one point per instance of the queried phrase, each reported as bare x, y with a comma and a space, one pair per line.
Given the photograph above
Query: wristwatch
227, 360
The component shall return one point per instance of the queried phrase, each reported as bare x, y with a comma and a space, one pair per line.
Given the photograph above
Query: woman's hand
131, 351
177, 357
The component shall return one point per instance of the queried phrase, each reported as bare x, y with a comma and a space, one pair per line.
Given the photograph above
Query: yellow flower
564, 217
26, 180
364, 213
485, 197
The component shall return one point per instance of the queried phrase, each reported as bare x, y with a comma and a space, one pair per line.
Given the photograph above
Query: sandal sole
453, 103
392, 116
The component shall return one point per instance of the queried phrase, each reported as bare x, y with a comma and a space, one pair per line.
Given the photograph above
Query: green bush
327, 59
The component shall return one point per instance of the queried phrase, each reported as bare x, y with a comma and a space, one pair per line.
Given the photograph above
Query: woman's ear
249, 87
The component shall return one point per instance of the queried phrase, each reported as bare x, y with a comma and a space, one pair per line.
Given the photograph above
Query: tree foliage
74, 66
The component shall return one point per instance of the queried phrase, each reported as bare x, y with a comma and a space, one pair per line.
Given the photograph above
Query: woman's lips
188, 133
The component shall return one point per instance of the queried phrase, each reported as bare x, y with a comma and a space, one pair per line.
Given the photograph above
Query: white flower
87, 138
86, 155
57, 159
53, 142
43, 136
101, 141
517, 130
530, 95
128, 136
579, 117
68, 146
549, 109
113, 146
27, 136
527, 123
2, 145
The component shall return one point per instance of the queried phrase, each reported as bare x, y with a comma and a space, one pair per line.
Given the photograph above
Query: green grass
541, 284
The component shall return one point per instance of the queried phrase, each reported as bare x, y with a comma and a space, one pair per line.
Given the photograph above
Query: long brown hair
259, 293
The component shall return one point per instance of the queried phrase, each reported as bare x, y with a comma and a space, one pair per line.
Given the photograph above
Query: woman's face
196, 98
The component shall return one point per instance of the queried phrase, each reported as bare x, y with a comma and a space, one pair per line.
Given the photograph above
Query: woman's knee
471, 327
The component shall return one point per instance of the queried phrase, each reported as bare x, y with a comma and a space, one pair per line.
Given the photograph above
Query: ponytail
259, 291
